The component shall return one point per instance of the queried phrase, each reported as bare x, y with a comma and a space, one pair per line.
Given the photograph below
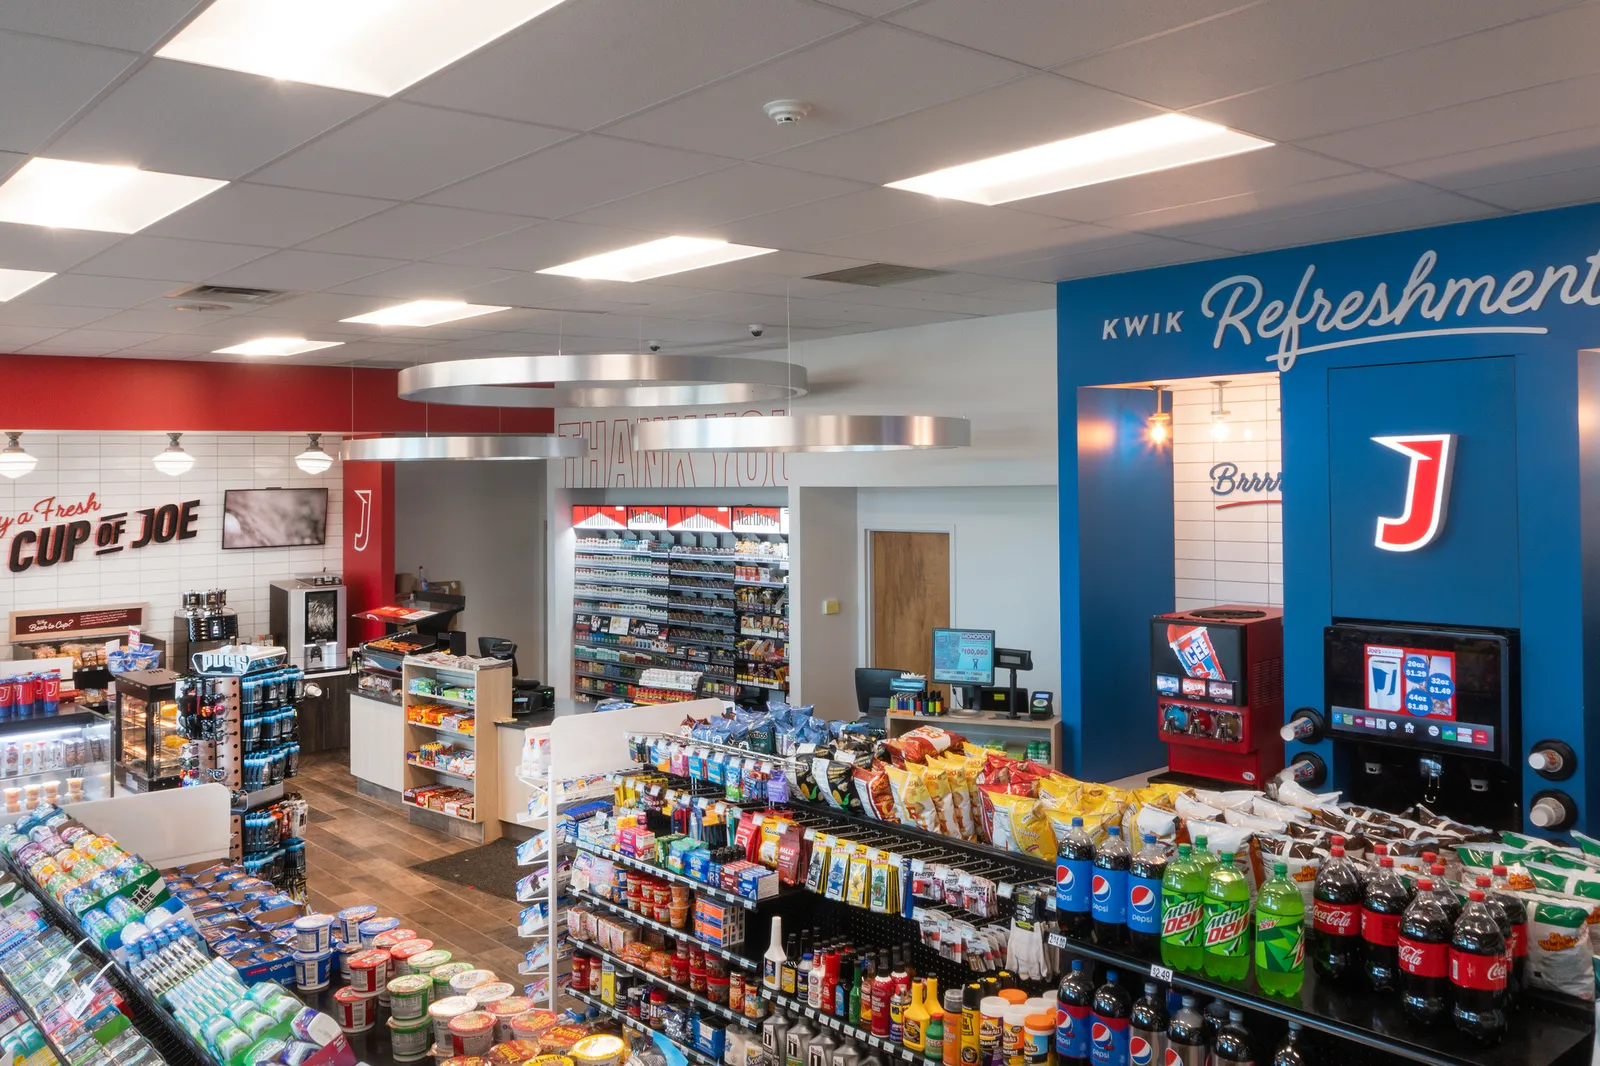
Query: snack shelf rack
490, 683
668, 875
662, 927
721, 1009
694, 1054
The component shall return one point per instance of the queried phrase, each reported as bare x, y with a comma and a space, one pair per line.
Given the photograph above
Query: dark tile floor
359, 850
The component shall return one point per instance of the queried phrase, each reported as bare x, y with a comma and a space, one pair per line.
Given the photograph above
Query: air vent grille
877, 275
230, 294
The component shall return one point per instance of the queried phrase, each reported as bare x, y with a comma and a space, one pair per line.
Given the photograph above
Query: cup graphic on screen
1383, 683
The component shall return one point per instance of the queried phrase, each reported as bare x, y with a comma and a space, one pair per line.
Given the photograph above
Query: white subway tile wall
1232, 554
116, 468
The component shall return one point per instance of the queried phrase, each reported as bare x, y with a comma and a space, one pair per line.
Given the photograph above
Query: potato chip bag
1063, 792
872, 786
1019, 825
938, 785
911, 800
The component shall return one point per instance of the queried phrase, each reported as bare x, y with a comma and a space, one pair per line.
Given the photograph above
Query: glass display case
149, 740
64, 759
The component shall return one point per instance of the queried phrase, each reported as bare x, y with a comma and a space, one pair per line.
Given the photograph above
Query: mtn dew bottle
1227, 922
1202, 854
1280, 935
1183, 889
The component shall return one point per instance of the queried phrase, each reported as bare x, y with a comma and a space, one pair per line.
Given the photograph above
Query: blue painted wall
1124, 510
1517, 298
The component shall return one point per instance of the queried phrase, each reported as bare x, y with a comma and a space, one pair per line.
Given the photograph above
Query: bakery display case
149, 737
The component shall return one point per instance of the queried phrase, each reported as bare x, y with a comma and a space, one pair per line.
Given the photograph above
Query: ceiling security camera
757, 329
655, 346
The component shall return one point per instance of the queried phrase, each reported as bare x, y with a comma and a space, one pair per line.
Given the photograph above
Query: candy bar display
683, 589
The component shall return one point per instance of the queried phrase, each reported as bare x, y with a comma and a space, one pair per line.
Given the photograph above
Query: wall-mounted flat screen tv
274, 518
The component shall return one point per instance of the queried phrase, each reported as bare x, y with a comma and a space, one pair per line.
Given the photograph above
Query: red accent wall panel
368, 541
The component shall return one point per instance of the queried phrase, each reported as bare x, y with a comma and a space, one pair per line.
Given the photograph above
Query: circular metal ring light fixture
609, 380
804, 433
486, 447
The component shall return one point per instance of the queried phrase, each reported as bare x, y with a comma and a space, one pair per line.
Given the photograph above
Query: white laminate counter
377, 742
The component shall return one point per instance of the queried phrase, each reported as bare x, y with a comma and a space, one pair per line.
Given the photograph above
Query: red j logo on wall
1432, 456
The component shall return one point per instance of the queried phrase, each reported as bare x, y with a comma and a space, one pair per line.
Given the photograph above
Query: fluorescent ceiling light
654, 259
424, 313
277, 346
14, 283
366, 46
1119, 152
96, 196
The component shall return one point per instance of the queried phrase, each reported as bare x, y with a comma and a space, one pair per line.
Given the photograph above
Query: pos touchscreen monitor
963, 657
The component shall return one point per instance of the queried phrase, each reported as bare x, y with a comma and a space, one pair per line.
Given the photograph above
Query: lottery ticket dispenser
1217, 675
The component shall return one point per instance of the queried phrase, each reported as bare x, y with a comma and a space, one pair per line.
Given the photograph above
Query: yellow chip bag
1018, 823
1063, 793
911, 799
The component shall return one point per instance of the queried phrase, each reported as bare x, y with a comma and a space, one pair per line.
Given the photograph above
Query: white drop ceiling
606, 123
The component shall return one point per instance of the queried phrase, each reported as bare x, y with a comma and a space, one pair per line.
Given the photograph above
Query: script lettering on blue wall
1226, 480
1241, 309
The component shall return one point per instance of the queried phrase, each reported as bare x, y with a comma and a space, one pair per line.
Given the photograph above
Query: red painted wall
44, 392
368, 541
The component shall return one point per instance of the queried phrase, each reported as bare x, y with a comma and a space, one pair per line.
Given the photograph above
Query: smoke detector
786, 112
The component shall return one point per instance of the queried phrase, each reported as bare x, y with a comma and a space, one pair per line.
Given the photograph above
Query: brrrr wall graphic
612, 462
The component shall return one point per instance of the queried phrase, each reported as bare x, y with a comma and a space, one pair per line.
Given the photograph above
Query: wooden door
910, 597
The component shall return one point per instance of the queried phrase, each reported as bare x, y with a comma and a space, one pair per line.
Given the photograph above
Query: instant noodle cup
350, 919
410, 1038
602, 1049
443, 973
428, 961
512, 1052
490, 992
472, 1033
373, 928
404, 951
409, 995
444, 1011
354, 1011
505, 1011
314, 933
392, 937
369, 971
467, 1060
558, 1039
531, 1026
549, 1060
467, 980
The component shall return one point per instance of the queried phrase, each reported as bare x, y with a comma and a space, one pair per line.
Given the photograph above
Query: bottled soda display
1073, 1000
1186, 1037
1183, 889
1202, 854
1280, 935
1502, 917
1441, 888
1108, 1023
1233, 1045
1109, 890
1227, 916
1074, 875
1517, 914
1145, 875
1385, 901
1147, 1028
1424, 955
1478, 973
1336, 917
1291, 1052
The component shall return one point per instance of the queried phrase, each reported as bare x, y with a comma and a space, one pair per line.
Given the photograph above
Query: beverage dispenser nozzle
1432, 775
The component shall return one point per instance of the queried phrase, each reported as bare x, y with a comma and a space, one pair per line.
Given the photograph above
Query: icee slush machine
1426, 714
1218, 679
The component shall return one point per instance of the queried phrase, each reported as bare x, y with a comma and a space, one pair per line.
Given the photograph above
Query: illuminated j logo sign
364, 526
1432, 456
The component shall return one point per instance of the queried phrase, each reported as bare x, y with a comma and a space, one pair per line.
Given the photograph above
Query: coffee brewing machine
1432, 715
308, 616
1217, 674
205, 623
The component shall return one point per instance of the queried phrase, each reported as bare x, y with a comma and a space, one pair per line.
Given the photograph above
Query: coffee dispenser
308, 616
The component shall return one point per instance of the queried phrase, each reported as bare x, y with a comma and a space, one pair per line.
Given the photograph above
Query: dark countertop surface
564, 707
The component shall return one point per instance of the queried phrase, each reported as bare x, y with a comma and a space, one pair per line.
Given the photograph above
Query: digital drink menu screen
1438, 689
1198, 661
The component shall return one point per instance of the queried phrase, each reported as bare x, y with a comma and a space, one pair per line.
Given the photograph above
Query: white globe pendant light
314, 460
14, 461
173, 461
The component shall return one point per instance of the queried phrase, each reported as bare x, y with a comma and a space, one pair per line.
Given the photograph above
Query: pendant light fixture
173, 460
507, 446
314, 460
616, 379
1219, 415
1160, 423
14, 461
803, 433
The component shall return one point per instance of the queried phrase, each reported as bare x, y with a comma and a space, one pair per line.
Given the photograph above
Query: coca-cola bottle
1502, 918
1335, 946
1517, 913
1385, 901
1424, 954
1442, 889
1478, 972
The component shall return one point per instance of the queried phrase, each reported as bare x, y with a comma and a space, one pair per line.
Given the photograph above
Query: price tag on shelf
1057, 940
1161, 973
811, 834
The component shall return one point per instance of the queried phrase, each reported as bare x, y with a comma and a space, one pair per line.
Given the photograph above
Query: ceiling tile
1281, 40
402, 151
264, 214
987, 232
1142, 254
136, 25
839, 216
1523, 54
1018, 114
851, 81
530, 290
546, 244
1426, 209
16, 338
1566, 105
316, 308
45, 82
302, 271
425, 281
577, 174
39, 248
1046, 33
87, 290
415, 231
16, 313
1556, 153
140, 256
97, 341
589, 62
165, 321
1267, 205
1534, 192
871, 8
212, 123
697, 205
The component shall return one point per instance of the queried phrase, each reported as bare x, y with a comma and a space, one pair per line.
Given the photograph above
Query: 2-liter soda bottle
1280, 935
1478, 973
1145, 876
1183, 889
1227, 917
1336, 917
1424, 953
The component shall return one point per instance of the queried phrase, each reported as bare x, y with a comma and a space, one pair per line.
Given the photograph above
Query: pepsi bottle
1147, 1028
1073, 999
1186, 1037
1233, 1045
1292, 1051
1108, 1023
1145, 874
1109, 890
1074, 876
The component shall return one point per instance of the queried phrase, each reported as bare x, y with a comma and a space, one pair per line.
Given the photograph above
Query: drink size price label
1057, 940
